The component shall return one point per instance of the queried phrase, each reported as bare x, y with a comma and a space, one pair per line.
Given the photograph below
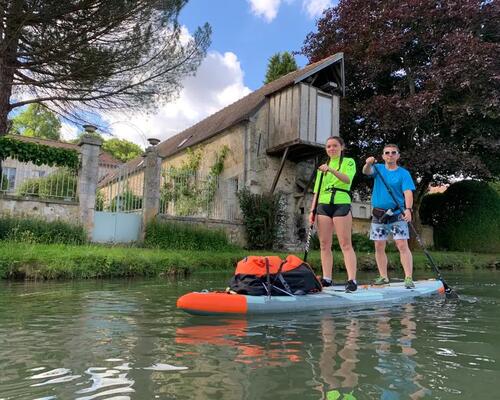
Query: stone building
275, 135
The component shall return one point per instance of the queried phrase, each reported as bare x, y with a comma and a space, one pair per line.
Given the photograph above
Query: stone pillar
88, 176
151, 195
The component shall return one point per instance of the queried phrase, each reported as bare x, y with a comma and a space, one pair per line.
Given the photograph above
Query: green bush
60, 184
34, 230
431, 210
99, 201
4, 186
126, 201
465, 217
263, 217
169, 235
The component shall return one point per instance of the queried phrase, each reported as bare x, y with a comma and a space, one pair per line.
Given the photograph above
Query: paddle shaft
314, 210
417, 236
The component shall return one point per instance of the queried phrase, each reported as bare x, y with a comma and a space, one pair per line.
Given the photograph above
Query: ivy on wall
182, 186
38, 154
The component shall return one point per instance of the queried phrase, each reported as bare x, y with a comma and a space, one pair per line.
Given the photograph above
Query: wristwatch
408, 208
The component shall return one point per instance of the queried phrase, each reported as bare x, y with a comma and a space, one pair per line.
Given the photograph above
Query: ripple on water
58, 375
165, 367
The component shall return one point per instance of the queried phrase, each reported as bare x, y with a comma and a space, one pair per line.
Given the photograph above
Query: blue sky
251, 37
245, 33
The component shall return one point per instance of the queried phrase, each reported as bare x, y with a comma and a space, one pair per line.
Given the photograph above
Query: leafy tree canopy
280, 64
122, 149
74, 56
422, 74
36, 121
95, 134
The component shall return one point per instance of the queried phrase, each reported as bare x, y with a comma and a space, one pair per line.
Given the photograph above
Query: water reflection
228, 332
331, 360
397, 363
338, 359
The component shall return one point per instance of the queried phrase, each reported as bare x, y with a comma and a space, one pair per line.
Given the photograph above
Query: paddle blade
450, 293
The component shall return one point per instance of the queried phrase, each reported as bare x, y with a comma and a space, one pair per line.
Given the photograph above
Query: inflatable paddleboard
333, 298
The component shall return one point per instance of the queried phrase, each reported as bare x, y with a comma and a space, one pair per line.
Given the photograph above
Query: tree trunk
13, 17
5, 93
411, 80
419, 194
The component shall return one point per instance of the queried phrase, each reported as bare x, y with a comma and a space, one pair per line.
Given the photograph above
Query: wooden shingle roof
238, 111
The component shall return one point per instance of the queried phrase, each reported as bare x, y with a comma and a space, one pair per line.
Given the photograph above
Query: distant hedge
465, 217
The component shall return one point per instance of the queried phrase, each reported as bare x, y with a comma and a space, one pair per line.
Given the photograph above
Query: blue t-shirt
399, 180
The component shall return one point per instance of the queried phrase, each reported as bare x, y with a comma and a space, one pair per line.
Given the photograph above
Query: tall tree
75, 55
423, 74
121, 149
280, 64
36, 121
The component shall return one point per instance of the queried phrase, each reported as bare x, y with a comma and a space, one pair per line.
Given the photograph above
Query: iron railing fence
27, 179
193, 194
121, 190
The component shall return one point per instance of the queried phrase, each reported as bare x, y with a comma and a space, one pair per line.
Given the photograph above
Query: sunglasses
392, 152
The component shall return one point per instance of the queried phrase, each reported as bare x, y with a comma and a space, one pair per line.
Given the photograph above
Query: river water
126, 340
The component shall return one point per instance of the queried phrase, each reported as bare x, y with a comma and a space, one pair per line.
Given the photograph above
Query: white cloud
69, 131
268, 9
218, 82
314, 8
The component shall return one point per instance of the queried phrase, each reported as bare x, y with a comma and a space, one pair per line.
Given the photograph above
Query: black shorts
333, 210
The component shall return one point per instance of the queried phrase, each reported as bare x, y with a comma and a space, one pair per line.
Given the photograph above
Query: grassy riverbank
56, 261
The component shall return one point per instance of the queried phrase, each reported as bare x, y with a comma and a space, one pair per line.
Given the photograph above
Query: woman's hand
311, 218
324, 168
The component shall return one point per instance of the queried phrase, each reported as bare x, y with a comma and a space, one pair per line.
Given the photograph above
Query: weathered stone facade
87, 180
34, 207
235, 231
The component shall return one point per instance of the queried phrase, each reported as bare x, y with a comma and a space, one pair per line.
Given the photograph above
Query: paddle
311, 227
450, 293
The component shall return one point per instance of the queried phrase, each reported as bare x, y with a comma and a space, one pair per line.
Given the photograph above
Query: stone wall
234, 230
233, 165
49, 210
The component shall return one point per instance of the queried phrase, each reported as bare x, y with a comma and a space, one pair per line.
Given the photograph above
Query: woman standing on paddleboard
334, 210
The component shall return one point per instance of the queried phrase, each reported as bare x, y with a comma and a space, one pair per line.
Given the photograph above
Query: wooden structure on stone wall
302, 116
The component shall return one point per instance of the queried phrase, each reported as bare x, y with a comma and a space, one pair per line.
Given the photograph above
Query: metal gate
118, 215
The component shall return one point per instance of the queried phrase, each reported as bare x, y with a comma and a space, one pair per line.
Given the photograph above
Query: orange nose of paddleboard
213, 303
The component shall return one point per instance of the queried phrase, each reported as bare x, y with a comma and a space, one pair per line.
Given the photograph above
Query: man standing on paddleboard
392, 182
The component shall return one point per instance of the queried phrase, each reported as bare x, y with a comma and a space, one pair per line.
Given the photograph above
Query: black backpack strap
268, 277
288, 289
279, 271
284, 283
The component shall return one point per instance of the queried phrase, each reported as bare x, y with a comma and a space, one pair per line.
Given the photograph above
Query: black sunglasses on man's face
393, 152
